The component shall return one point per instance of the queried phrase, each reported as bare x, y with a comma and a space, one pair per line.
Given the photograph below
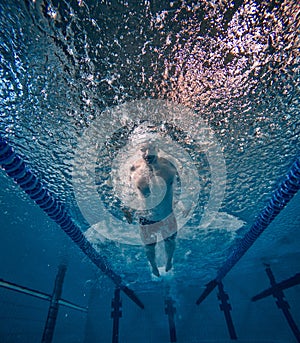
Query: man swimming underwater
146, 174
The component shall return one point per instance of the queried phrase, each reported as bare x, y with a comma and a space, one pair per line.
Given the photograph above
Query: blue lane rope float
279, 199
16, 168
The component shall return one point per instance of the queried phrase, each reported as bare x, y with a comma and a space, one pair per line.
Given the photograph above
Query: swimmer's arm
128, 212
143, 187
176, 188
141, 182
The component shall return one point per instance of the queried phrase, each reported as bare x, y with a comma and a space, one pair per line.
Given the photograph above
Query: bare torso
142, 174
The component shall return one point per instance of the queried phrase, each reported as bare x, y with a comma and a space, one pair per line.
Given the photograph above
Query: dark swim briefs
149, 228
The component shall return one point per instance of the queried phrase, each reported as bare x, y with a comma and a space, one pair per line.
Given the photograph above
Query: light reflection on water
236, 65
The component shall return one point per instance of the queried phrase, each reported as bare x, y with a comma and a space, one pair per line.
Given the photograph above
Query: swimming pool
219, 82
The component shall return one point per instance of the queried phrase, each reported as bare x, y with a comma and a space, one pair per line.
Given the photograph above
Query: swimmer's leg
170, 245
150, 253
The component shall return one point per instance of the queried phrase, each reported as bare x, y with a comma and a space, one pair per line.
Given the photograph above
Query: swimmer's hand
128, 215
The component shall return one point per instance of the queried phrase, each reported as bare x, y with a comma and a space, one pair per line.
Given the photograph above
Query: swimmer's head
149, 152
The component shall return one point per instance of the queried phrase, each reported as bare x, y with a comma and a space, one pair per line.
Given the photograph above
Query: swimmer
160, 218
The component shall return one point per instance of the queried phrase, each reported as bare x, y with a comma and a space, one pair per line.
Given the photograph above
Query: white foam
220, 221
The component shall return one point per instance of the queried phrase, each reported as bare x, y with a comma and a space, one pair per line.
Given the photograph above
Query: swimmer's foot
169, 265
155, 271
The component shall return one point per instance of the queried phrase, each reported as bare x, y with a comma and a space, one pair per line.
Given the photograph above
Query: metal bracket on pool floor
54, 305
16, 168
116, 314
40, 295
276, 290
170, 311
280, 198
226, 308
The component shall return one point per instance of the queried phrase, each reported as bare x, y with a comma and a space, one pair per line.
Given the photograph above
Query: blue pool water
219, 82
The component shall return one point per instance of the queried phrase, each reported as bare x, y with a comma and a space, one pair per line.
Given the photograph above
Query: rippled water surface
235, 64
